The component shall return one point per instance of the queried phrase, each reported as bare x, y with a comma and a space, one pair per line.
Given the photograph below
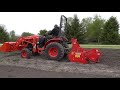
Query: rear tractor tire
26, 53
54, 51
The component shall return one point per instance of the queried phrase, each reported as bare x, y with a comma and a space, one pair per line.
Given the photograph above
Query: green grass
1, 60
1, 52
99, 46
16, 60
28, 63
12, 53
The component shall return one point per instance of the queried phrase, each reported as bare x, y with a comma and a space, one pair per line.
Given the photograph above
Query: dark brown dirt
22, 72
109, 65
110, 57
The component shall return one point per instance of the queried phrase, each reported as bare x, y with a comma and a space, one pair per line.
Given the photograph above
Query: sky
33, 22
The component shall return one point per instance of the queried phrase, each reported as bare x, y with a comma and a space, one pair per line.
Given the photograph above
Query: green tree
24, 34
75, 29
94, 29
110, 35
85, 25
12, 35
4, 35
86, 22
68, 28
42, 32
69, 20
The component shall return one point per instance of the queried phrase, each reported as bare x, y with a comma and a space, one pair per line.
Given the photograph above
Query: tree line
96, 30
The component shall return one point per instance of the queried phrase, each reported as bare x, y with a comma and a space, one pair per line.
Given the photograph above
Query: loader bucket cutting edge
78, 54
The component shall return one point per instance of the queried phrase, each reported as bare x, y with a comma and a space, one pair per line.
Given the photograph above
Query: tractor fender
52, 40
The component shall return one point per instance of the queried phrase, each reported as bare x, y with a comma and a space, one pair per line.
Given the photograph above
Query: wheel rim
24, 54
53, 52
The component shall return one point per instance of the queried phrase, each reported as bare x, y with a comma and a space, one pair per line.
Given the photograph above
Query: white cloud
34, 21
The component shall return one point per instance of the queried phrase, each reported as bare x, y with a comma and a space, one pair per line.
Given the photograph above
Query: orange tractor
55, 48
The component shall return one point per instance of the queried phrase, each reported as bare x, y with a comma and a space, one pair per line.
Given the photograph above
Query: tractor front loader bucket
78, 54
7, 47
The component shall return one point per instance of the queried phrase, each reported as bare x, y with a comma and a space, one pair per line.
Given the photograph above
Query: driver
54, 33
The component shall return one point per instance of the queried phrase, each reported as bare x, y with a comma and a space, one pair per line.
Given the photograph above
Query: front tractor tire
26, 53
54, 51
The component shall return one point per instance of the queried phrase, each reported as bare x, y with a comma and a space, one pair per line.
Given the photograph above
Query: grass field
99, 46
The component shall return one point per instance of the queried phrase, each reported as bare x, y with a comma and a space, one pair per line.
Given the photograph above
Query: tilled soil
109, 65
7, 71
